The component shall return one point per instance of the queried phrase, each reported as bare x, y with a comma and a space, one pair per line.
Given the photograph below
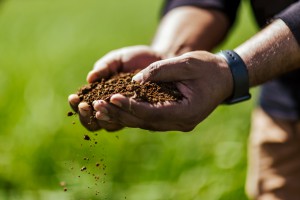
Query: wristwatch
239, 75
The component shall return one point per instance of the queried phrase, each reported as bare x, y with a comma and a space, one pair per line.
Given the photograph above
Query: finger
137, 57
113, 127
126, 60
157, 123
105, 67
108, 112
129, 120
166, 116
102, 113
149, 112
103, 119
74, 100
86, 117
172, 69
109, 126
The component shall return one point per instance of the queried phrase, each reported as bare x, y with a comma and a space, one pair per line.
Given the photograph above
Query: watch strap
240, 77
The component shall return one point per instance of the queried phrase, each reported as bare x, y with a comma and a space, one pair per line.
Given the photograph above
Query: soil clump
151, 92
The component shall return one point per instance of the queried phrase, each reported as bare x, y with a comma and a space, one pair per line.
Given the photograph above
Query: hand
121, 60
203, 78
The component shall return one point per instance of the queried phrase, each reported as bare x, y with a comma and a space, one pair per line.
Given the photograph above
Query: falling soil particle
62, 184
83, 168
70, 114
122, 84
65, 189
86, 137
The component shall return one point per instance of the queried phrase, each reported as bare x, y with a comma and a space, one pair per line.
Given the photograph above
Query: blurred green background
46, 50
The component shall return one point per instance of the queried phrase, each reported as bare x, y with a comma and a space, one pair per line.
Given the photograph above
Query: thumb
172, 69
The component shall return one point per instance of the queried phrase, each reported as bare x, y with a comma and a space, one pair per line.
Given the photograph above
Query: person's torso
264, 10
279, 97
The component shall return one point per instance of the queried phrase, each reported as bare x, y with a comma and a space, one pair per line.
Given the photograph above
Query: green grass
46, 50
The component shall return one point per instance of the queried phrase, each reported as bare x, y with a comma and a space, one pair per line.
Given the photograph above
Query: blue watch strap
239, 75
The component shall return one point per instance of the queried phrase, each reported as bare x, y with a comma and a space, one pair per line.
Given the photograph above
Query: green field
46, 50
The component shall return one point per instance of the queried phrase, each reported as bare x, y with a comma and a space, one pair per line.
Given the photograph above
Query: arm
181, 30
276, 46
205, 80
270, 53
188, 28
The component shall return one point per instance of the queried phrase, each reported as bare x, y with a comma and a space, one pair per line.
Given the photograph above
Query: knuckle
187, 55
189, 59
153, 69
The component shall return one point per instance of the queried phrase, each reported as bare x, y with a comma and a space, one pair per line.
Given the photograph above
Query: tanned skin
202, 77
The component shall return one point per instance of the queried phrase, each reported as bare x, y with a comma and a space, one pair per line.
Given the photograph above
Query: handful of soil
151, 92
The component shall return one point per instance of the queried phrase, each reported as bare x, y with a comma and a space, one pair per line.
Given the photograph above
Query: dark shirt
280, 97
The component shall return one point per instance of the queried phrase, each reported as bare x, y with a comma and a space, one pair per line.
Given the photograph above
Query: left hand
126, 59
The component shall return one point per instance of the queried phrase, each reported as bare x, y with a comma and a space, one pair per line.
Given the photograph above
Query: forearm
270, 53
190, 28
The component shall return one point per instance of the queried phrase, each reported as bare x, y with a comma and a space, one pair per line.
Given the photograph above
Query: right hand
122, 60
203, 78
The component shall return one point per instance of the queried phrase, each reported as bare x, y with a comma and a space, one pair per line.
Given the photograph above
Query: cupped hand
122, 60
203, 78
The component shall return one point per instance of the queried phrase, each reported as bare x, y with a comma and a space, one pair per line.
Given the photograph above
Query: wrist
239, 76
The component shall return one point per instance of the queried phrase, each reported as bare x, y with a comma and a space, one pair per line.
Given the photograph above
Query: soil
70, 113
151, 92
83, 168
121, 83
86, 137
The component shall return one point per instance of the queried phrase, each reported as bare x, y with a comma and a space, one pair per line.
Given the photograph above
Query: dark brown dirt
70, 114
83, 168
122, 84
86, 137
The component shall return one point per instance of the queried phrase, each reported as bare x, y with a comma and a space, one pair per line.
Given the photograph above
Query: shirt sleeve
291, 16
228, 7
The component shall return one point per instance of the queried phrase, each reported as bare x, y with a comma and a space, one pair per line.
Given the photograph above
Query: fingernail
138, 77
74, 99
84, 110
116, 103
98, 104
92, 76
94, 102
